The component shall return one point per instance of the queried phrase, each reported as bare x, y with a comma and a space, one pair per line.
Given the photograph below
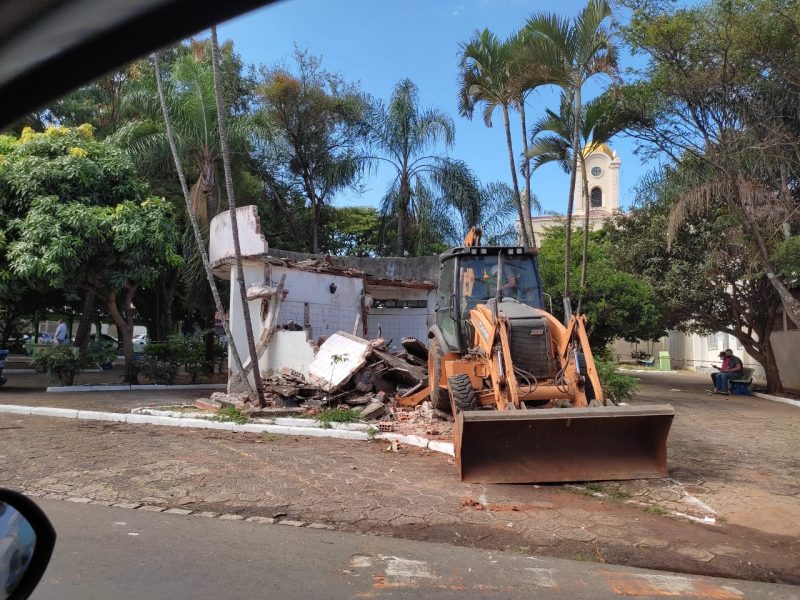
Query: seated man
733, 370
721, 368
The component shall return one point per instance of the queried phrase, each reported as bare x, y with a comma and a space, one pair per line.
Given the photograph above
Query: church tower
603, 165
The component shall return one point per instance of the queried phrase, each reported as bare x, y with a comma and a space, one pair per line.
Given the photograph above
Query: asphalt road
115, 553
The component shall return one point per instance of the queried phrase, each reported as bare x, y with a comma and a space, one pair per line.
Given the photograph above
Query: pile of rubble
355, 373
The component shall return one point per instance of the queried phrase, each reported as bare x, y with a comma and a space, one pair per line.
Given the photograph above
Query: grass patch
231, 413
619, 495
337, 415
656, 510
266, 436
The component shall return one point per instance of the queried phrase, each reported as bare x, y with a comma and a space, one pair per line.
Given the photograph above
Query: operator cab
471, 275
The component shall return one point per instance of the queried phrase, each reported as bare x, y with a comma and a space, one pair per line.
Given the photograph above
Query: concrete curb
72, 389
776, 398
281, 426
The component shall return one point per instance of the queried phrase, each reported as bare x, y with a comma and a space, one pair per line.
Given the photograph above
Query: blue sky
377, 43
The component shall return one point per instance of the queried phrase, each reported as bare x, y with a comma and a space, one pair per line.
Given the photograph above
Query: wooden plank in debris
396, 363
416, 395
415, 348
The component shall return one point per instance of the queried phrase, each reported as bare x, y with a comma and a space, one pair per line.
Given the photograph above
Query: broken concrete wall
288, 349
320, 302
251, 241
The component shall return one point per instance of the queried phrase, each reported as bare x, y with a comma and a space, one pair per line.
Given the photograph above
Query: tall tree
198, 235
405, 137
708, 279
721, 88
487, 77
320, 122
222, 117
189, 89
618, 303
108, 249
569, 53
73, 166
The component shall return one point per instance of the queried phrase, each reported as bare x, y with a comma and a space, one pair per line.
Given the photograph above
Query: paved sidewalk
721, 463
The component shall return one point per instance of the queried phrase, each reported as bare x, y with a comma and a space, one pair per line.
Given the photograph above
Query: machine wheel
462, 393
439, 397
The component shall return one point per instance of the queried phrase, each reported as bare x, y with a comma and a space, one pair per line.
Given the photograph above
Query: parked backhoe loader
523, 388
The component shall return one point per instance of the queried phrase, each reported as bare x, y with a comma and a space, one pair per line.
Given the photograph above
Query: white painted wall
328, 312
288, 349
253, 273
251, 241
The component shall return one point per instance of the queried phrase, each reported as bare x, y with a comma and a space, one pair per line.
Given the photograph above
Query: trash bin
3, 354
664, 363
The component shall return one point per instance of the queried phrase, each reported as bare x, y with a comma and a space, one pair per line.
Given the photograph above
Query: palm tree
569, 53
189, 93
188, 87
404, 134
487, 75
526, 77
226, 163
198, 236
552, 141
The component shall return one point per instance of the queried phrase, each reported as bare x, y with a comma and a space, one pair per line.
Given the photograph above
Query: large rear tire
440, 400
462, 394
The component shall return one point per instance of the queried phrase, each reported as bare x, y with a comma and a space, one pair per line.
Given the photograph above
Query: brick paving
728, 457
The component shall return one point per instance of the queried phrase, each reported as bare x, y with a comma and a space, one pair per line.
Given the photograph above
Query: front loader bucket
562, 444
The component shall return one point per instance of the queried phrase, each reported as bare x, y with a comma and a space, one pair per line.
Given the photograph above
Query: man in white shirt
61, 332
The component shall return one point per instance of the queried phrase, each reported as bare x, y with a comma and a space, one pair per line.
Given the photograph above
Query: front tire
462, 394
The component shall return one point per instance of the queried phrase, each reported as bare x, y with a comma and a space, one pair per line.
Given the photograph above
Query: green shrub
616, 386
61, 362
98, 353
162, 361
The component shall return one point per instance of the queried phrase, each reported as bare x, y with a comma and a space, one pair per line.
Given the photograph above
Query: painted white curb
776, 398
287, 421
72, 389
307, 429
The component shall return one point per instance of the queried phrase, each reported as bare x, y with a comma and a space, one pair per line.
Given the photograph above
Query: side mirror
26, 544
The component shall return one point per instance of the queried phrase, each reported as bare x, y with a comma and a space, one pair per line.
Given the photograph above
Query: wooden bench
741, 386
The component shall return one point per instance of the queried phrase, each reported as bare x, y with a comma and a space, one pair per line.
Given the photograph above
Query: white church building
603, 165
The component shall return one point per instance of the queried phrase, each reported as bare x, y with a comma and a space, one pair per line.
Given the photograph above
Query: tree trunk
226, 161
520, 210
315, 208
85, 324
791, 305
770, 365
526, 173
576, 143
402, 207
585, 253
124, 322
198, 236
